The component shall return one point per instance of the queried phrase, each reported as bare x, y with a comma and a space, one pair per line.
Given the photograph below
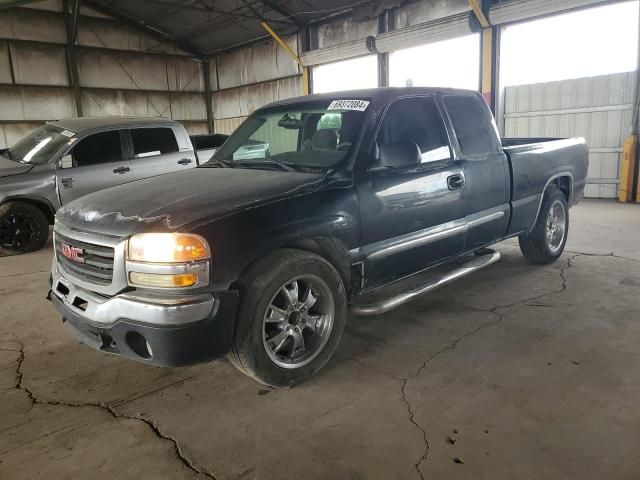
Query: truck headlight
167, 260
168, 248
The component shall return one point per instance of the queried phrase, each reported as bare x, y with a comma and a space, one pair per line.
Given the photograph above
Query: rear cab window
417, 120
471, 125
151, 142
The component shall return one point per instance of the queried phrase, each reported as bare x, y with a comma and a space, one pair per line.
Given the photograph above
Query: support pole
71, 24
292, 54
629, 168
207, 94
384, 21
487, 54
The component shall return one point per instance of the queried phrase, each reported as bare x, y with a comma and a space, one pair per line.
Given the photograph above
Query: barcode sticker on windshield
67, 133
358, 105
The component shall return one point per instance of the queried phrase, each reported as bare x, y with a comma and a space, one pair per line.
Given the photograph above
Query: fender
546, 185
40, 202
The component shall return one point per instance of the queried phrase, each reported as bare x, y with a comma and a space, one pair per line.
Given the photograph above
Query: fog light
163, 280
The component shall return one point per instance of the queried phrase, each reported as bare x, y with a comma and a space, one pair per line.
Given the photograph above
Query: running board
463, 270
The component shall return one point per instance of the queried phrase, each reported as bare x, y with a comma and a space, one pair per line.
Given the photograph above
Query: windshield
40, 145
311, 135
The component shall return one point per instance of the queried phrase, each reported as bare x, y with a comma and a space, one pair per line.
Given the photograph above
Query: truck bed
534, 163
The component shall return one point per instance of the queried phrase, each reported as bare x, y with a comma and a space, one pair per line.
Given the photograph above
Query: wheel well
332, 250
564, 184
42, 206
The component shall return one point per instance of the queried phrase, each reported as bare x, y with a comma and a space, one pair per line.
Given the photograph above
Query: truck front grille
89, 262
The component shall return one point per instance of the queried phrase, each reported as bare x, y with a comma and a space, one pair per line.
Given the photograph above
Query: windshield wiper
252, 163
216, 163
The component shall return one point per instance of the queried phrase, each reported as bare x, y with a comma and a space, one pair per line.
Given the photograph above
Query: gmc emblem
72, 253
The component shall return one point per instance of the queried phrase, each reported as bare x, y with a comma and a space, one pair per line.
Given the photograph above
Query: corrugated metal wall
596, 108
251, 77
122, 71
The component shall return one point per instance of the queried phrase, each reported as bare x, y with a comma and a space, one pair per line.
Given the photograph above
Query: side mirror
66, 162
396, 155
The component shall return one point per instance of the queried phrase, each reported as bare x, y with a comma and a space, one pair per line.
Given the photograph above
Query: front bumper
159, 330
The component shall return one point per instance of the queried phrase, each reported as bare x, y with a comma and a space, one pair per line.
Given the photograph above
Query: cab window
103, 147
150, 142
470, 125
417, 120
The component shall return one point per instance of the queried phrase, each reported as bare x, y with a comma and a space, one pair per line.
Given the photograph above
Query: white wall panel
240, 102
5, 69
228, 125
29, 24
516, 10
108, 33
184, 74
345, 30
420, 12
256, 63
35, 103
108, 69
11, 133
596, 108
39, 64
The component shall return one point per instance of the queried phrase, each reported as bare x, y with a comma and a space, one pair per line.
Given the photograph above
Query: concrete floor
517, 372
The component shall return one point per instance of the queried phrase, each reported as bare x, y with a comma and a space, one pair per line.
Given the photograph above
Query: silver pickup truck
66, 159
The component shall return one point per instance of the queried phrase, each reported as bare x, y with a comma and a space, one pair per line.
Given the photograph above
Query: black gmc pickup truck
314, 208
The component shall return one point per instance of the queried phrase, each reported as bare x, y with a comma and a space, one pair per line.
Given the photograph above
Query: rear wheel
545, 243
23, 227
292, 313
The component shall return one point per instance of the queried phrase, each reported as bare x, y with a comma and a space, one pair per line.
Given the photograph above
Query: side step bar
437, 282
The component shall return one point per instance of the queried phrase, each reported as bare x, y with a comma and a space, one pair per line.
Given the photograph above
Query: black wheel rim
17, 231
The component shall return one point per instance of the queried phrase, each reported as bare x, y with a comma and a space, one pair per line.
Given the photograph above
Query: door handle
455, 182
121, 170
184, 161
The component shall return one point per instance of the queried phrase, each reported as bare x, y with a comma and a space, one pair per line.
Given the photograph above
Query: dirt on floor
518, 371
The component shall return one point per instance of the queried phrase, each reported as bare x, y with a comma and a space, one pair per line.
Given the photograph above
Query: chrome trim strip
421, 237
404, 297
428, 235
486, 219
557, 175
148, 308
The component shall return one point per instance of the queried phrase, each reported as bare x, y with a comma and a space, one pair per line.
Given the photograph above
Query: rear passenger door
154, 151
485, 168
98, 163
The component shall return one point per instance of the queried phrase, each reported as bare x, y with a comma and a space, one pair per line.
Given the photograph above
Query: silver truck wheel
291, 315
546, 241
298, 321
556, 226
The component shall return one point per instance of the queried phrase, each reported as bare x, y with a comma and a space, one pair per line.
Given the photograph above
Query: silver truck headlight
166, 260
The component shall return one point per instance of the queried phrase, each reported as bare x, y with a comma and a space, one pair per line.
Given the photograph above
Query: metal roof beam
232, 13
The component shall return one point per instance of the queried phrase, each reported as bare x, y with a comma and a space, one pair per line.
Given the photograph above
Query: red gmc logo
72, 253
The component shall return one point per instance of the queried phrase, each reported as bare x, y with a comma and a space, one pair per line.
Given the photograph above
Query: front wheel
545, 243
292, 313
23, 227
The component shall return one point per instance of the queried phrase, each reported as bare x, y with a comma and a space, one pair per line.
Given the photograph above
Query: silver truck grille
89, 262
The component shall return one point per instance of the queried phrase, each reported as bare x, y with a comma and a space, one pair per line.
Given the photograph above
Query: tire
23, 227
269, 327
545, 242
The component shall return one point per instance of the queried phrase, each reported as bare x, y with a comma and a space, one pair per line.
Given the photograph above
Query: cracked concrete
519, 371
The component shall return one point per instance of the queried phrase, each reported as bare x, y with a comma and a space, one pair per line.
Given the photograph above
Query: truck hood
170, 202
9, 167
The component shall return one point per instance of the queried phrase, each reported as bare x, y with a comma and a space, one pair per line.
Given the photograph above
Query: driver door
412, 218
98, 163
